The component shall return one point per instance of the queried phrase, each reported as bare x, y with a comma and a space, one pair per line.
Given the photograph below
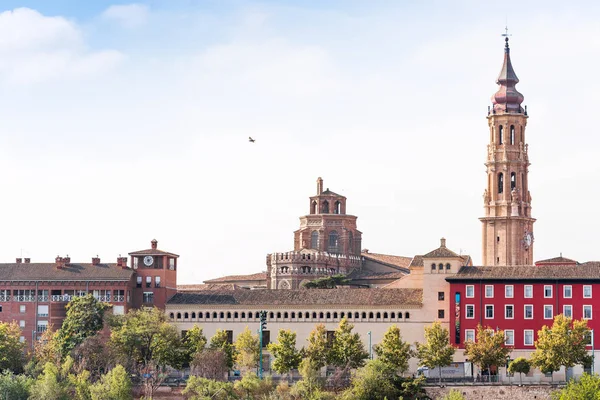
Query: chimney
366, 251
19, 260
319, 186
154, 244
67, 260
27, 260
122, 262
443, 242
60, 262
95, 260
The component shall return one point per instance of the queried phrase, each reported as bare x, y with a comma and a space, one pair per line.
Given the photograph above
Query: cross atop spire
507, 98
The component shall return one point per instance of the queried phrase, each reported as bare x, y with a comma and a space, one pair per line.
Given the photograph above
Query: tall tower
507, 224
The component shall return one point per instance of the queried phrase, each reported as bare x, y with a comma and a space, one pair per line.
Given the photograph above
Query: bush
251, 387
454, 395
15, 387
586, 388
199, 388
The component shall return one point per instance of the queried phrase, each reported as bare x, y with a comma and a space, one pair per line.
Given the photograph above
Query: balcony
44, 315
103, 298
43, 298
5, 298
23, 298
118, 299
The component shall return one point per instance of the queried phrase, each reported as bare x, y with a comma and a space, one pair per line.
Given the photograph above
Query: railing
5, 298
23, 298
42, 329
103, 298
118, 299
43, 315
43, 298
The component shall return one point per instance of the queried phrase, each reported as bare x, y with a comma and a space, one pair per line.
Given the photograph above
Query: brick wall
495, 392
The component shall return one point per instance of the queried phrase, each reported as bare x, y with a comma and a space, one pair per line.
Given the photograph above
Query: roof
72, 271
557, 260
365, 274
259, 276
441, 252
152, 252
211, 286
417, 261
394, 261
339, 296
328, 192
587, 271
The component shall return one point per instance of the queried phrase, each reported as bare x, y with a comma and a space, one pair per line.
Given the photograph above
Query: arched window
356, 315
314, 240
328, 315
193, 315
500, 182
512, 134
321, 315
186, 315
236, 315
243, 314
286, 315
228, 314
271, 315
221, 314
314, 315
385, 315
406, 315
335, 315
313, 207
513, 180
278, 315
333, 242
343, 314
256, 315
200, 315
178, 315
337, 208
294, 315
325, 207
393, 315
500, 135
433, 267
350, 242
441, 266
447, 267
378, 315
400, 315
172, 316
370, 315
214, 315
364, 315
306, 315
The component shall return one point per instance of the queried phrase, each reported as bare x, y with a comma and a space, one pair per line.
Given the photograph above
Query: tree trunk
521, 378
440, 376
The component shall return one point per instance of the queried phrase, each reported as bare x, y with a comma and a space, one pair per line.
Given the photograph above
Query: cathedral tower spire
507, 225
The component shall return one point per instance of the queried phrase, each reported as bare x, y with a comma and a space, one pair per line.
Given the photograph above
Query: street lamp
370, 347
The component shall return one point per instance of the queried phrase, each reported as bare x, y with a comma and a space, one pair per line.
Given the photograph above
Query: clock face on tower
528, 239
148, 261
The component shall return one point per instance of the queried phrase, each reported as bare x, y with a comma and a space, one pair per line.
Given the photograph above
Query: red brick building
35, 294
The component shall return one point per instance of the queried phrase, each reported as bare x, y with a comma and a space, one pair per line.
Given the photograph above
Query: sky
125, 122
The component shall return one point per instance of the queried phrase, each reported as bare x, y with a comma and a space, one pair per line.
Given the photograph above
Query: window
135, 262
266, 338
587, 312
441, 266
22, 324
587, 291
512, 134
513, 181
22, 339
528, 292
547, 291
333, 242
489, 291
489, 311
440, 313
500, 135
567, 291
568, 311
528, 337
440, 296
470, 311
548, 314
433, 267
22, 309
43, 311
118, 310
148, 281
0, 307
138, 282
509, 337
500, 183
470, 291
42, 326
509, 311
314, 240
469, 335
448, 267
406, 315
172, 264
509, 291
157, 281
528, 311
148, 297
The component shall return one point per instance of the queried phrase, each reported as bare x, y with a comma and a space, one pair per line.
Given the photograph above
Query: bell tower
507, 235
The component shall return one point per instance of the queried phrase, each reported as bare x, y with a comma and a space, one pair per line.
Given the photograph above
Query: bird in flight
251, 140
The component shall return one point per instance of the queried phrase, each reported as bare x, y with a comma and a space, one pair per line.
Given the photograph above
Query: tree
521, 366
393, 351
198, 388
586, 388
311, 384
488, 349
436, 352
247, 349
92, 355
347, 348
328, 282
115, 385
210, 364
562, 344
318, 348
15, 387
144, 338
85, 318
11, 348
193, 343
454, 395
373, 381
46, 349
287, 357
251, 387
49, 385
220, 341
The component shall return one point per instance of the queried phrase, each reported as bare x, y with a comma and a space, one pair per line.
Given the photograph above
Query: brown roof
417, 261
588, 271
340, 297
394, 261
441, 252
259, 276
364, 274
72, 271
152, 252
211, 286
557, 260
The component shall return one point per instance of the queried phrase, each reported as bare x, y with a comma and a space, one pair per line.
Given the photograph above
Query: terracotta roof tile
364, 274
557, 260
395, 261
441, 252
417, 261
211, 286
152, 252
587, 271
340, 297
72, 271
259, 276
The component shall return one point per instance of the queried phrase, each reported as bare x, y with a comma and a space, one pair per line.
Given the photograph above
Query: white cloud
36, 48
128, 15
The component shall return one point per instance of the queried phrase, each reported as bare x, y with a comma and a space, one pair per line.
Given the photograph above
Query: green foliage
85, 318
311, 385
210, 364
586, 388
520, 366
220, 342
347, 348
436, 351
247, 349
251, 387
193, 343
15, 387
488, 349
80, 385
198, 388
318, 349
372, 382
287, 357
115, 385
328, 282
393, 351
49, 386
454, 395
562, 344
143, 337
11, 348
